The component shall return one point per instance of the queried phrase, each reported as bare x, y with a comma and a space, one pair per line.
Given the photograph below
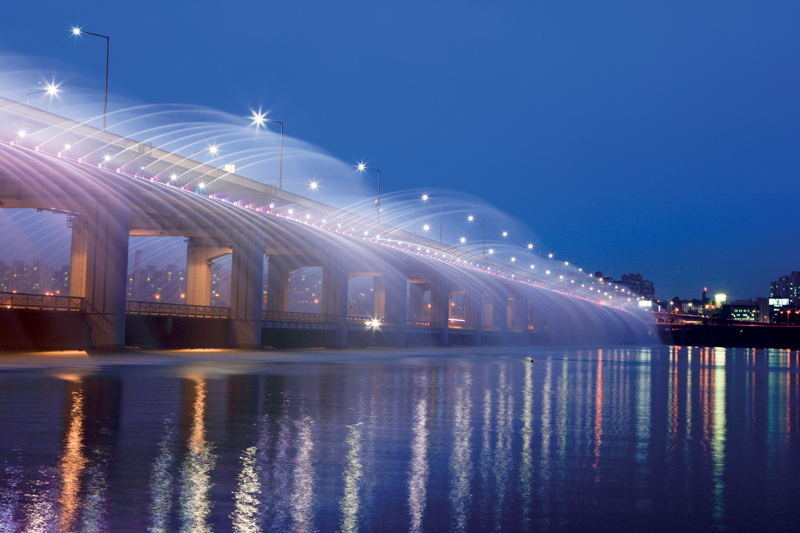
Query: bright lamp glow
313, 185
259, 119
213, 149
76, 31
463, 240
361, 167
470, 218
424, 197
530, 246
505, 234
426, 227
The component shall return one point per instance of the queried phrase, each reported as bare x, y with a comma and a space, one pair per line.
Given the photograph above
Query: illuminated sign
647, 304
720, 298
778, 302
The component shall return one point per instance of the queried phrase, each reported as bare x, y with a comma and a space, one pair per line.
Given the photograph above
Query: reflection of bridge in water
113, 188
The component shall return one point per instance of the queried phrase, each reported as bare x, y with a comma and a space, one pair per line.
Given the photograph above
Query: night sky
651, 137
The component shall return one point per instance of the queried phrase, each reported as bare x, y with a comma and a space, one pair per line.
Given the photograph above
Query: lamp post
362, 167
78, 31
259, 119
426, 198
51, 89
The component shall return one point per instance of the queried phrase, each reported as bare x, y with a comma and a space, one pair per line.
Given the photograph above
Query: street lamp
426, 198
52, 90
312, 186
78, 31
259, 119
362, 167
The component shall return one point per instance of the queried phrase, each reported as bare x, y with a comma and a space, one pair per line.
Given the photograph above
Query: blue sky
652, 137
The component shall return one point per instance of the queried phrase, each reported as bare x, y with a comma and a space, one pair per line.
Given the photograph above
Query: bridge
112, 188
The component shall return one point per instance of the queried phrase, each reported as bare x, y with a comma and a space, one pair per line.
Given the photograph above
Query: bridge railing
291, 316
42, 302
165, 309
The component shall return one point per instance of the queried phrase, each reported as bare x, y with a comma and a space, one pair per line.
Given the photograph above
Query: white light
291, 211
173, 177
272, 206
308, 216
491, 251
550, 256
76, 31
505, 234
259, 119
107, 157
470, 218
530, 246
547, 272
513, 259
202, 185
533, 266
313, 185
213, 149
566, 262
66, 147
21, 134
463, 240
361, 167
424, 197
426, 227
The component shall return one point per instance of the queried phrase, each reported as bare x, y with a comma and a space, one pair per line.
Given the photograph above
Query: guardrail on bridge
290, 316
165, 309
41, 302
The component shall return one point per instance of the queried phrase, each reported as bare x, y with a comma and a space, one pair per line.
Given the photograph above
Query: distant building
763, 310
787, 287
745, 310
639, 285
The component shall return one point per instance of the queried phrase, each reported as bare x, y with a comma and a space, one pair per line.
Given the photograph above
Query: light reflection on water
657, 438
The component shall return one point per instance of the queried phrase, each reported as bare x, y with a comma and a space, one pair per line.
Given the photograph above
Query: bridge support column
395, 286
416, 299
247, 280
440, 307
335, 278
379, 297
199, 257
472, 314
77, 258
277, 284
107, 226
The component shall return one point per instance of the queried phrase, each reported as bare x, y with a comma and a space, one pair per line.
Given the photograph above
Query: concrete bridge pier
200, 254
395, 287
440, 307
278, 284
473, 307
247, 279
335, 278
99, 268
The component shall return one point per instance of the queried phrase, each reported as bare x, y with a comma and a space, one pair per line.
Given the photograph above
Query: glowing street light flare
259, 119
505, 234
491, 251
313, 185
213, 149
21, 134
530, 246
470, 218
424, 197
463, 240
426, 227
202, 185
173, 177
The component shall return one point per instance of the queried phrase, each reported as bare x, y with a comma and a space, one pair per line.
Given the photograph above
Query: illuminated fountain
190, 186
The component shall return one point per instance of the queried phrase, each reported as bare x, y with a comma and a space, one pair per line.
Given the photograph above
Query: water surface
451, 440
